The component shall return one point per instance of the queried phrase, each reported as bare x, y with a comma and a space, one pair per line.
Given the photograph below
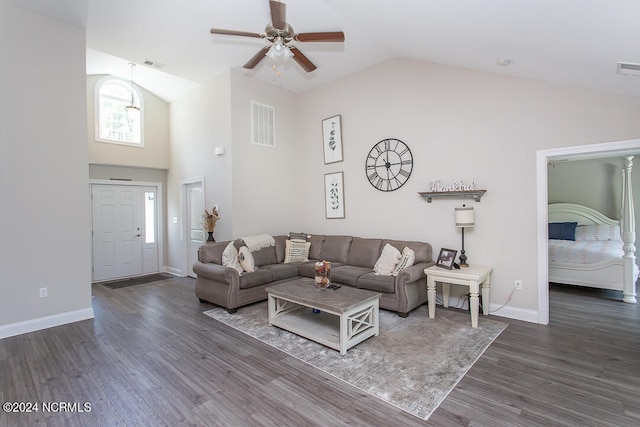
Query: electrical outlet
518, 284
44, 292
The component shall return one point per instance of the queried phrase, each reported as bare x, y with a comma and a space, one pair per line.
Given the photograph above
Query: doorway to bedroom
545, 160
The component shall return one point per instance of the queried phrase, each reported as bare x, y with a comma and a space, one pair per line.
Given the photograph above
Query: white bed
611, 263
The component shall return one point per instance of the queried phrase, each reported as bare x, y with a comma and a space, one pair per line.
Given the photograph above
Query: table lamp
464, 219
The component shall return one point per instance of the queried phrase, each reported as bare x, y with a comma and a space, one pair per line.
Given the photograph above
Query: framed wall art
334, 194
332, 139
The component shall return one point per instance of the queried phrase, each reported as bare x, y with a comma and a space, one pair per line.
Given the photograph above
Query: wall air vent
628, 69
263, 124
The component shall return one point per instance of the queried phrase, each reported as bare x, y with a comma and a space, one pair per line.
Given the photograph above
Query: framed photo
334, 194
332, 139
446, 258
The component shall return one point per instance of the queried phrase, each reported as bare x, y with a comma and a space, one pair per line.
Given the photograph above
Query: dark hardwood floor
150, 357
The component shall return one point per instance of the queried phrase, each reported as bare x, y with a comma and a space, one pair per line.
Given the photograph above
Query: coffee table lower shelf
339, 331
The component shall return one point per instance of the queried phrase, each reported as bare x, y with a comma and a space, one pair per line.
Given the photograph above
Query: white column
628, 224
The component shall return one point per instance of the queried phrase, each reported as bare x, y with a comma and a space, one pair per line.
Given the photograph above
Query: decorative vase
323, 274
210, 239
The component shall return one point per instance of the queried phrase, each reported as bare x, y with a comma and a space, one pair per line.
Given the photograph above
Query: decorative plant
209, 220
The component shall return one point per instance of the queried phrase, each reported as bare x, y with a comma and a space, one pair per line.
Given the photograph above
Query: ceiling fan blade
236, 33
278, 14
302, 60
328, 36
257, 58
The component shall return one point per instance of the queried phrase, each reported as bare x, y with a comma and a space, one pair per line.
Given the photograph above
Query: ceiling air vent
263, 124
154, 64
628, 69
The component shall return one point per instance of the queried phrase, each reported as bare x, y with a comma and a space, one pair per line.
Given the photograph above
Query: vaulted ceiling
573, 42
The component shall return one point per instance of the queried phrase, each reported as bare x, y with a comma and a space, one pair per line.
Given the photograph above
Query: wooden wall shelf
473, 194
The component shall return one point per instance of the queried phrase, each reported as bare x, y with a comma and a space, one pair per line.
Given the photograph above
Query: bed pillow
598, 232
562, 230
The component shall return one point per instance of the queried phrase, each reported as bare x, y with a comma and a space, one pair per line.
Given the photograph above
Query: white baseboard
32, 325
515, 313
506, 311
172, 270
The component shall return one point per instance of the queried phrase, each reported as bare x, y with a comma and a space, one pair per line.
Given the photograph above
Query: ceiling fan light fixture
279, 50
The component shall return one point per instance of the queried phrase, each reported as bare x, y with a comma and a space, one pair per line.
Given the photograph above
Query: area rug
115, 284
413, 363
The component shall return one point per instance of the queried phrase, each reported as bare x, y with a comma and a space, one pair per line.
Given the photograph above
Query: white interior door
195, 230
117, 231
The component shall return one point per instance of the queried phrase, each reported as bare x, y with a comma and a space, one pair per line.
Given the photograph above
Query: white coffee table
347, 315
473, 276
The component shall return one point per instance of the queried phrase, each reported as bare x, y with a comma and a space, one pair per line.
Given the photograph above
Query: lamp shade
464, 217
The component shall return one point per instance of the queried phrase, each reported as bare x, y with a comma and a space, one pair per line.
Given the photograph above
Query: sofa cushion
317, 241
261, 276
376, 282
388, 260
246, 259
407, 260
348, 274
364, 252
212, 252
280, 247
281, 271
296, 251
299, 236
423, 250
308, 269
230, 258
265, 256
336, 248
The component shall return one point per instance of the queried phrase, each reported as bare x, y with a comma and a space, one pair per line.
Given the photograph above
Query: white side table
473, 276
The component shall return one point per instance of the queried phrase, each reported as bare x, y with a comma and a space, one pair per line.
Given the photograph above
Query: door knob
138, 235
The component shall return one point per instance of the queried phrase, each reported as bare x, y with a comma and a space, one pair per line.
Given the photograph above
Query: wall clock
389, 164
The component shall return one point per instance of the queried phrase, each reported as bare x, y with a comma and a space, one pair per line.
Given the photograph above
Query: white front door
117, 231
195, 230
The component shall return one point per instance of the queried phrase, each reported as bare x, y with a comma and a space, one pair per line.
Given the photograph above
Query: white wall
154, 154
265, 179
200, 121
459, 124
45, 215
252, 185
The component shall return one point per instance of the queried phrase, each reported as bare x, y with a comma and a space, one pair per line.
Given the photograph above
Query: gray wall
596, 183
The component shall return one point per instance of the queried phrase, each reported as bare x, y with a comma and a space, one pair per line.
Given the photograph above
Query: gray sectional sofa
352, 261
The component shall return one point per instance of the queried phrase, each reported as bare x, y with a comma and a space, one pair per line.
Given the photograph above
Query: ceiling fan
281, 34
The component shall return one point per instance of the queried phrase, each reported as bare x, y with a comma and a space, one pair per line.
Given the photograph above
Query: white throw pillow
230, 258
388, 260
296, 251
407, 260
246, 259
598, 232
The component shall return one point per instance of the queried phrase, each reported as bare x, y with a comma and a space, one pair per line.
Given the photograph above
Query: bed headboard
569, 212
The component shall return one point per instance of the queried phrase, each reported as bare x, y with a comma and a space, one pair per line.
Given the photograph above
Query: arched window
114, 123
